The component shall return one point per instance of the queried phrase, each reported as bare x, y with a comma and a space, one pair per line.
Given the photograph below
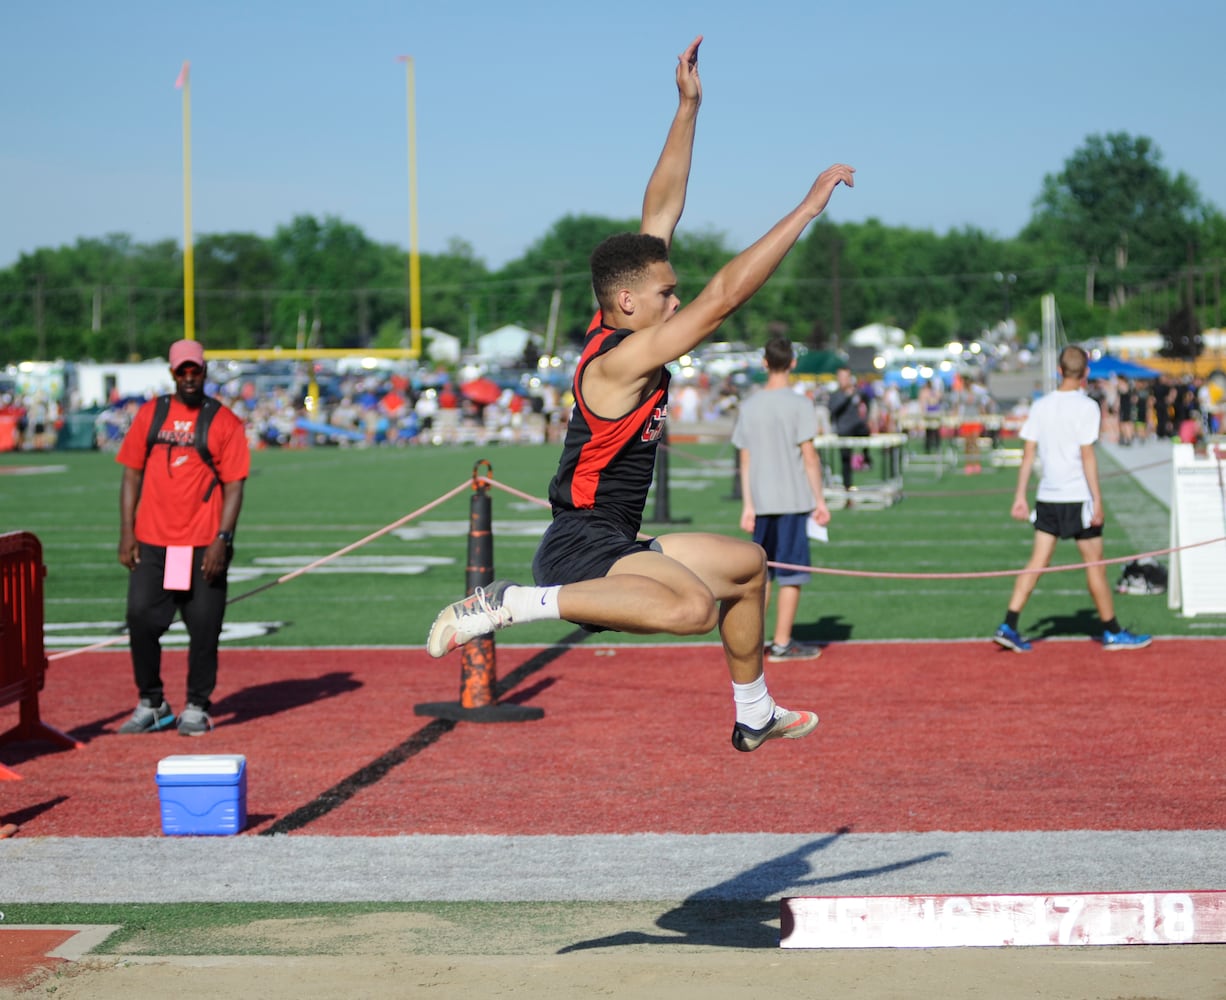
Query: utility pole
836, 291
40, 331
555, 306
131, 327
1217, 294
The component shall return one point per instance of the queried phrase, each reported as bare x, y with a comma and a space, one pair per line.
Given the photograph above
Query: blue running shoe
1010, 638
1123, 639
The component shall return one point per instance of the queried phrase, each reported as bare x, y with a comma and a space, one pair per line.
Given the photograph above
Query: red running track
914, 737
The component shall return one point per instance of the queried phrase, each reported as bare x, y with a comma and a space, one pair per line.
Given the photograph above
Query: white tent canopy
440, 346
505, 344
877, 335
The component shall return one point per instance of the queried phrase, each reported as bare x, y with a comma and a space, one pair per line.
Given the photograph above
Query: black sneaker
785, 725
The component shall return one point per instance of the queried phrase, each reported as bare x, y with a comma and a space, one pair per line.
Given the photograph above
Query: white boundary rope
487, 481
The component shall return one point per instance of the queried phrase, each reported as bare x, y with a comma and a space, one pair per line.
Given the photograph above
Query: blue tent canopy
1108, 365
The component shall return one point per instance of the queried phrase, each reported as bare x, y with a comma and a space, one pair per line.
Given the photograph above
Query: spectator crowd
391, 409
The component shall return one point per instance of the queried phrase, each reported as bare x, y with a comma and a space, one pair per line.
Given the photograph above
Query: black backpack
208, 409
1142, 576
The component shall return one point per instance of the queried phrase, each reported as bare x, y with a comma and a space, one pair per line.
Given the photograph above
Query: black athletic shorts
1066, 520
578, 545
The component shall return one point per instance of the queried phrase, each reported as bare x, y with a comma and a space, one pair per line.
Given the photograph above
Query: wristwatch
226, 536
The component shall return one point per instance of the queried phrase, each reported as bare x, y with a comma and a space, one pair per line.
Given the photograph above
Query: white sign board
1198, 514
1113, 918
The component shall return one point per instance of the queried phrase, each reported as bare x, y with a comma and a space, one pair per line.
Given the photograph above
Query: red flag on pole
182, 76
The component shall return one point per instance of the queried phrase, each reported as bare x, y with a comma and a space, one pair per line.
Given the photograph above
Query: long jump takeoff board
1108, 918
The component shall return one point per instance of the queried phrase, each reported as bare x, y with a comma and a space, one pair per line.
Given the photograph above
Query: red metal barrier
23, 660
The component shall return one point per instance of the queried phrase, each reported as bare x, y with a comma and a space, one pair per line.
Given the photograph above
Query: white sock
754, 706
532, 604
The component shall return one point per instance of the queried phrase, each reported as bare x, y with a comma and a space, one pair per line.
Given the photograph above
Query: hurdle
23, 659
478, 674
888, 488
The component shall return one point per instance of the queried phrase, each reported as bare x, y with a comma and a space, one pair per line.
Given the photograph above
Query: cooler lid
202, 763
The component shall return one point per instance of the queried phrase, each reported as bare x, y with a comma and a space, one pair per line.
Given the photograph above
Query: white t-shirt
1060, 423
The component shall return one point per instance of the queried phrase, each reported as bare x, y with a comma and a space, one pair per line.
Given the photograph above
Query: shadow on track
721, 916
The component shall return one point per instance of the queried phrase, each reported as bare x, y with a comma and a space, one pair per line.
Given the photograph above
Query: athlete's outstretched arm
664, 200
639, 356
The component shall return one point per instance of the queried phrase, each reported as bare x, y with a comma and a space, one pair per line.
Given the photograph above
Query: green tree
933, 328
235, 273
1121, 212
522, 291
328, 270
453, 284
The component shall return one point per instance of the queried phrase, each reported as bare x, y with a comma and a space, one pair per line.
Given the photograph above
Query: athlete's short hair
778, 353
621, 260
1073, 362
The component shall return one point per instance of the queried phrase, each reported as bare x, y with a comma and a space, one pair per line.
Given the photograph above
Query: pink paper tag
178, 568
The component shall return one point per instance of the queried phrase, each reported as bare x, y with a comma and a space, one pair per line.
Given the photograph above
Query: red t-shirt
171, 510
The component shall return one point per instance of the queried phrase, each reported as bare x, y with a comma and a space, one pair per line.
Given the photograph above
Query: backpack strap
208, 410
155, 425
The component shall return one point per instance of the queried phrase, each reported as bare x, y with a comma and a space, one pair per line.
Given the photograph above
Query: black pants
150, 613
846, 461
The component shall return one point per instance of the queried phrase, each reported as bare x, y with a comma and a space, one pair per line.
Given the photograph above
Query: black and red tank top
608, 463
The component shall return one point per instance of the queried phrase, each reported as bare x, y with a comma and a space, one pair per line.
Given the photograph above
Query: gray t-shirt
771, 425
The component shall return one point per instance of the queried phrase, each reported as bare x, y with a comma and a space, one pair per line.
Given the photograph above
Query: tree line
1121, 241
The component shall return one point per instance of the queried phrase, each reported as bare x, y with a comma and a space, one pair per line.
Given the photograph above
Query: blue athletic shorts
1066, 520
785, 539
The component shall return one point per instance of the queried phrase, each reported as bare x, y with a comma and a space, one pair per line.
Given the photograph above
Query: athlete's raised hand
689, 85
830, 178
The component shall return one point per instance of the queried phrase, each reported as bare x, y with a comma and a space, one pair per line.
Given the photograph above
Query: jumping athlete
591, 567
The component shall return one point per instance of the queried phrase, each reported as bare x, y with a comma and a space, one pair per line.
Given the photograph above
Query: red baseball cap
186, 352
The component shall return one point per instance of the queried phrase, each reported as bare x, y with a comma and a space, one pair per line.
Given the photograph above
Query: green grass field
304, 505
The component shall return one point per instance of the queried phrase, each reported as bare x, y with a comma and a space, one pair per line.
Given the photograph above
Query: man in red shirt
176, 537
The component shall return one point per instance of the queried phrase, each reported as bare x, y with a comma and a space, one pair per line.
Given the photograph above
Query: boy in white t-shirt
1061, 429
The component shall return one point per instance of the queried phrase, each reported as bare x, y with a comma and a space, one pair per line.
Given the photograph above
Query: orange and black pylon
478, 677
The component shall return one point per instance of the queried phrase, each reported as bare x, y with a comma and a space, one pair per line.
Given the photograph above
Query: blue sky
951, 111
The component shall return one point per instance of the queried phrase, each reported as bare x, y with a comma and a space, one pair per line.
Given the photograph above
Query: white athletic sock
754, 706
531, 604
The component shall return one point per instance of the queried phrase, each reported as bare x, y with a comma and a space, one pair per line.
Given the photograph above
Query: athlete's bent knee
693, 615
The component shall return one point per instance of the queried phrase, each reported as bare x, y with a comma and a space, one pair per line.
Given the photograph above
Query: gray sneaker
480, 613
194, 721
785, 725
792, 651
149, 719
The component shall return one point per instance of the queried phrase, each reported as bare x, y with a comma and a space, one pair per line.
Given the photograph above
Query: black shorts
579, 546
1066, 520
